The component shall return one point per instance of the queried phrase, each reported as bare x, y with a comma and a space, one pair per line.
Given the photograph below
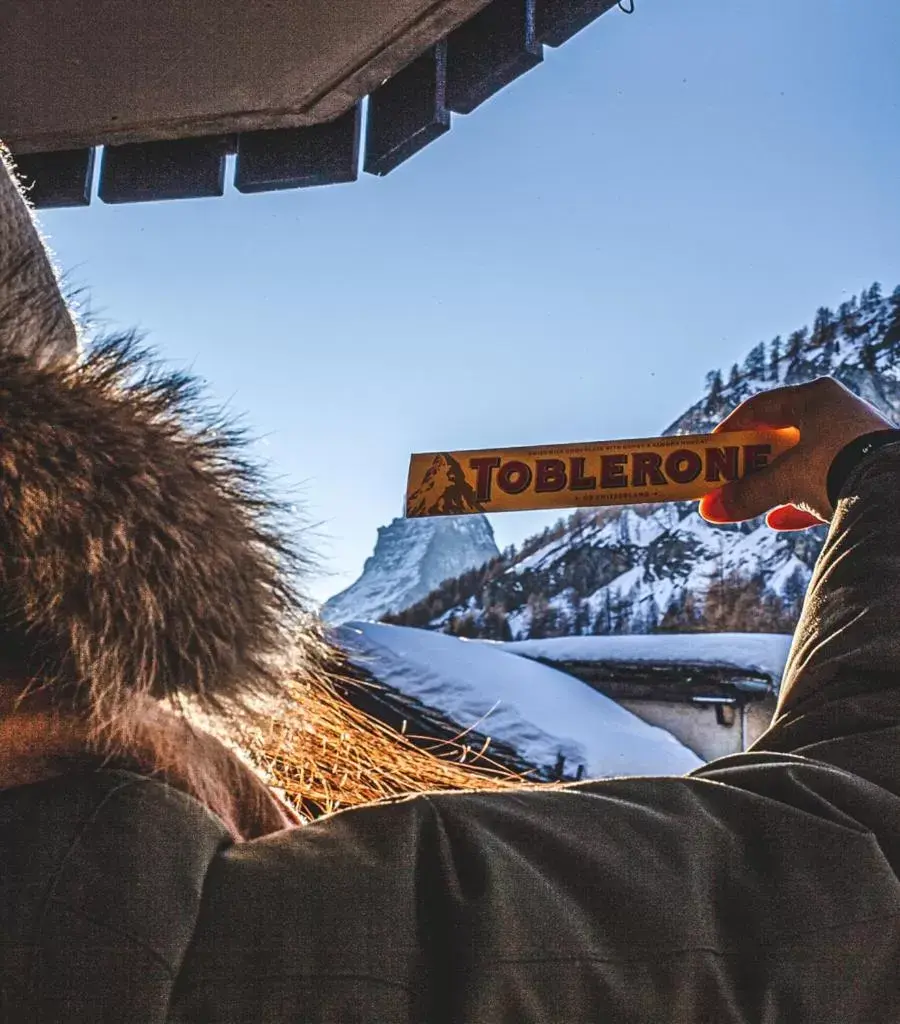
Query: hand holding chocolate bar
793, 489
772, 454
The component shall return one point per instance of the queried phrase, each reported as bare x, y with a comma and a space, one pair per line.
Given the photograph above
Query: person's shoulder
100, 836
91, 798
103, 876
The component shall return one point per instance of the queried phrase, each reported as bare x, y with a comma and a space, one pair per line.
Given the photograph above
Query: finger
789, 517
777, 408
713, 509
753, 494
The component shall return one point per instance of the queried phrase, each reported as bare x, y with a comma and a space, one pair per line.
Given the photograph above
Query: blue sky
565, 264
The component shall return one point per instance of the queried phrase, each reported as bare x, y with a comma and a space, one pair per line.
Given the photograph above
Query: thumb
752, 495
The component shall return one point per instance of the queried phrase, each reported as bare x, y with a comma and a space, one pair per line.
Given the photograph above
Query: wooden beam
57, 179
184, 169
556, 21
323, 154
490, 51
408, 112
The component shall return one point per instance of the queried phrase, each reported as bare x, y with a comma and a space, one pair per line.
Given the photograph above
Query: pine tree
466, 626
734, 377
870, 300
671, 621
823, 337
714, 391
823, 325
691, 613
542, 617
755, 363
892, 331
682, 616
848, 319
795, 345
871, 308
582, 623
496, 624
793, 592
741, 604
775, 359
605, 619
619, 609
651, 618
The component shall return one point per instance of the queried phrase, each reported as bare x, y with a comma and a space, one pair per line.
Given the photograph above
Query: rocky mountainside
652, 568
412, 557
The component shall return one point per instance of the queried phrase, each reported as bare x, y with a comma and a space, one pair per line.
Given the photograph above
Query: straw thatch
324, 754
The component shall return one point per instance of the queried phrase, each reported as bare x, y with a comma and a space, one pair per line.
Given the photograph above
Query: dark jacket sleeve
842, 676
761, 889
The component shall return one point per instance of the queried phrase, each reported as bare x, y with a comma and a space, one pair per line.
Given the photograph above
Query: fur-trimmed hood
139, 553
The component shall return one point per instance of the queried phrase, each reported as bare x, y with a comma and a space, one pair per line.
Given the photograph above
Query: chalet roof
170, 89
679, 667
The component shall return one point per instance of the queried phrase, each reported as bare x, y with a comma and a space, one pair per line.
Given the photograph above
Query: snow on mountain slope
411, 558
541, 712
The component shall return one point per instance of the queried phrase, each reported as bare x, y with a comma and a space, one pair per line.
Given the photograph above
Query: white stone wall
696, 726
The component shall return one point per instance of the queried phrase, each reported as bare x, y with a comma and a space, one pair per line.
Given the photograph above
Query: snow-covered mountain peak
411, 558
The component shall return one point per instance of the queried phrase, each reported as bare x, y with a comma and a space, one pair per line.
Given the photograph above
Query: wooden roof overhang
299, 92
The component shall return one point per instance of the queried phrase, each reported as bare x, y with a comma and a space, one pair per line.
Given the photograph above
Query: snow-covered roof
754, 653
538, 710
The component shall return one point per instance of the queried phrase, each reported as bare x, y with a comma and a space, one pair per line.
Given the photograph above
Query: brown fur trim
139, 553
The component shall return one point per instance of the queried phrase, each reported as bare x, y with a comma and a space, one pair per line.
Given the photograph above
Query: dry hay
323, 754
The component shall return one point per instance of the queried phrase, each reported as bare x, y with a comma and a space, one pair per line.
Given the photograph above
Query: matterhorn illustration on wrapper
443, 491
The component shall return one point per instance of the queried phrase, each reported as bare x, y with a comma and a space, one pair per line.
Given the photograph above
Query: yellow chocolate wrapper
653, 469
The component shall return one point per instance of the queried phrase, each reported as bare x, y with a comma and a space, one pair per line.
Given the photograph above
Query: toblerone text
656, 469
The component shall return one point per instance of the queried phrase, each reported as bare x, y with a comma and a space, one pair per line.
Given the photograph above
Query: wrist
851, 455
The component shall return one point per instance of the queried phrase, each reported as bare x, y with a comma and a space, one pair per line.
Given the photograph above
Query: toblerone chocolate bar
654, 469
